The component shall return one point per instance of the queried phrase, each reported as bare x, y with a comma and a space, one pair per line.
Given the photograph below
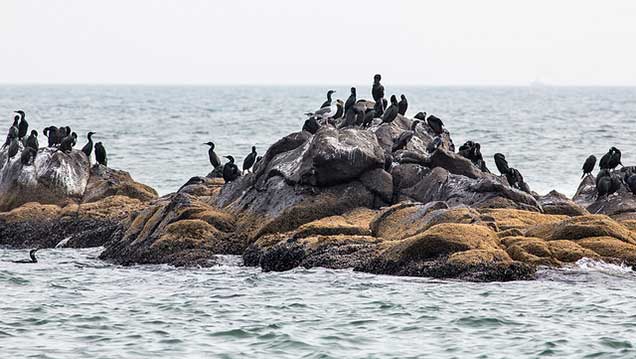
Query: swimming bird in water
328, 102
88, 147
28, 154
32, 140
23, 126
391, 112
351, 100
403, 105
436, 124
502, 164
377, 91
14, 147
248, 162
100, 154
588, 166
215, 161
31, 255
13, 131
230, 170
68, 142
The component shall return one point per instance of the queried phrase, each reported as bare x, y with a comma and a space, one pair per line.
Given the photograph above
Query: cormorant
51, 134
420, 116
611, 159
405, 137
377, 91
514, 177
391, 112
465, 150
436, 124
88, 147
68, 142
502, 164
100, 154
630, 181
28, 153
588, 166
23, 127
339, 109
403, 105
350, 118
311, 125
249, 161
360, 113
13, 131
433, 145
603, 186
215, 161
230, 170
328, 102
14, 147
31, 255
368, 117
378, 108
351, 100
32, 140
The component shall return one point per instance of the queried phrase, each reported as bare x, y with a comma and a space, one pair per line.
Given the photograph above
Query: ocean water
71, 305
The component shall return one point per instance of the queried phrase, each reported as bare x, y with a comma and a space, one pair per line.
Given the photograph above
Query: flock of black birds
61, 138
608, 180
230, 170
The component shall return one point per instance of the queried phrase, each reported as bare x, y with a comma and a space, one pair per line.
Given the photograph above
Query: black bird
630, 181
14, 147
328, 102
27, 155
405, 137
215, 161
351, 100
51, 134
466, 149
603, 186
339, 109
434, 145
68, 142
403, 105
88, 147
100, 154
611, 159
514, 177
588, 166
311, 125
502, 164
378, 108
377, 91
13, 131
436, 124
350, 118
391, 112
32, 140
249, 161
230, 170
31, 255
23, 127
420, 116
360, 113
368, 117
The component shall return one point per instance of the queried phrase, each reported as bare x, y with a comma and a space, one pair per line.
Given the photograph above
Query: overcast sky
318, 42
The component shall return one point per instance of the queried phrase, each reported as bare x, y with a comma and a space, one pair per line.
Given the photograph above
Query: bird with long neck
32, 257
23, 126
100, 154
328, 102
215, 161
249, 160
13, 131
88, 147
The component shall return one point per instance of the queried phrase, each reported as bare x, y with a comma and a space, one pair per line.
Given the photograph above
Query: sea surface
72, 305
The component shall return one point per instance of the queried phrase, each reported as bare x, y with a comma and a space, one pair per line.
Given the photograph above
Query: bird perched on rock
352, 117
13, 131
377, 90
630, 181
88, 147
249, 161
230, 170
68, 142
100, 154
311, 125
501, 163
32, 140
405, 137
434, 145
391, 112
350, 101
325, 112
23, 126
51, 135
14, 147
611, 159
378, 108
28, 154
403, 105
328, 102
588, 165
436, 124
606, 183
339, 109
369, 115
215, 161
420, 116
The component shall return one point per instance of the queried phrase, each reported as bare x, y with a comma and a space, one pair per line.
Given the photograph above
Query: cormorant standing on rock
434, 145
403, 105
350, 118
28, 153
328, 102
350, 101
51, 134
611, 159
88, 147
14, 147
420, 116
378, 108
368, 117
436, 124
249, 161
630, 181
31, 255
215, 161
68, 142
13, 131
311, 125
588, 166
502, 164
100, 154
377, 91
23, 127
230, 170
405, 137
32, 140
339, 109
391, 113
603, 183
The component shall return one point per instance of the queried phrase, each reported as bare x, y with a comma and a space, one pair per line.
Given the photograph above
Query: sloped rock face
621, 204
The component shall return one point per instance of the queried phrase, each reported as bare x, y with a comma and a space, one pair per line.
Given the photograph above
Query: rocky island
333, 196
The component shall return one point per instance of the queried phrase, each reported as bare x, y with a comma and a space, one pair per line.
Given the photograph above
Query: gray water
71, 305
